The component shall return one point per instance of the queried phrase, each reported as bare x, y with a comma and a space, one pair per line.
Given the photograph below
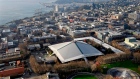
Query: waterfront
18, 9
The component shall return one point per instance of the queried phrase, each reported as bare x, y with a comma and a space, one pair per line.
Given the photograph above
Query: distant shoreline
2, 25
20, 9
78, 1
58, 2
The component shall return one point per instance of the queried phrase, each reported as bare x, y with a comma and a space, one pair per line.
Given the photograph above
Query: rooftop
73, 50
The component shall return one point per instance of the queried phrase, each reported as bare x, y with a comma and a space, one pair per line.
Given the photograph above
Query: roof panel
69, 51
88, 50
60, 45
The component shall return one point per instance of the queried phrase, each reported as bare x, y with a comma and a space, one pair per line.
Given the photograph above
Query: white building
132, 42
6, 30
56, 8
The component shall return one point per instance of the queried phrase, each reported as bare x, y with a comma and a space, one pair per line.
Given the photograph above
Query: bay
18, 9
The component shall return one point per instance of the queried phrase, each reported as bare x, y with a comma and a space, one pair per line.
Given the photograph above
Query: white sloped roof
69, 51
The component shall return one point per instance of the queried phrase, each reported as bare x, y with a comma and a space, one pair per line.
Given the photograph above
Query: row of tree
109, 77
136, 58
23, 49
65, 70
110, 58
99, 47
39, 68
135, 54
115, 44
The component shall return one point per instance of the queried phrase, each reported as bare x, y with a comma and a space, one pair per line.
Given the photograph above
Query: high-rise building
56, 8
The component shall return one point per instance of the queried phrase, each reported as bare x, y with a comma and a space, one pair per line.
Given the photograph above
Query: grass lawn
125, 64
84, 77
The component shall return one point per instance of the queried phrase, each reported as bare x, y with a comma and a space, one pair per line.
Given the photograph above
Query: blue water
17, 9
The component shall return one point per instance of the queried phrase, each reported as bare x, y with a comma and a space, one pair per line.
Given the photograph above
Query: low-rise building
77, 33
134, 16
33, 47
108, 35
12, 68
132, 42
116, 16
9, 53
12, 72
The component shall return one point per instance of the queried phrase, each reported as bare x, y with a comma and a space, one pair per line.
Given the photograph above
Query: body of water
19, 9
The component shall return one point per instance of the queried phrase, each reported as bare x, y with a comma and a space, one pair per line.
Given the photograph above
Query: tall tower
56, 8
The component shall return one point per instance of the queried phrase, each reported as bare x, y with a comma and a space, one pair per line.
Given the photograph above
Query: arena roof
73, 50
